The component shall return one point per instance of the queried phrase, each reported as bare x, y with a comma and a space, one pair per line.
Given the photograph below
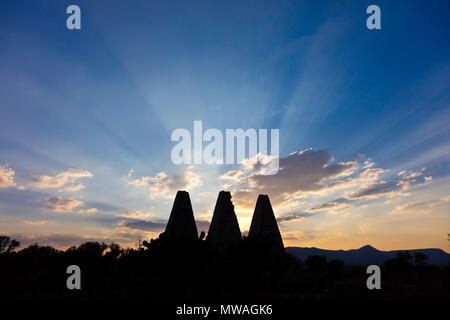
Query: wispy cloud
164, 185
331, 207
232, 175
371, 191
142, 225
61, 179
136, 214
293, 217
73, 188
420, 206
63, 205
91, 210
35, 222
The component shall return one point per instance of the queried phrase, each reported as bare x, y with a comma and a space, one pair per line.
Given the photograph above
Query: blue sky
85, 107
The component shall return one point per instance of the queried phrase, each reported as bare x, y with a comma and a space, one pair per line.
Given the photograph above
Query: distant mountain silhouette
367, 255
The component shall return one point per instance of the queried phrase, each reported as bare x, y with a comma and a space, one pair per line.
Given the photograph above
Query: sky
363, 115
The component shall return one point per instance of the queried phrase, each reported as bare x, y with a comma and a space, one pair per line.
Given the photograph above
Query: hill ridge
368, 254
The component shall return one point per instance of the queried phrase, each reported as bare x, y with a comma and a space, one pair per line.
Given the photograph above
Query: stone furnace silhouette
224, 231
264, 226
181, 225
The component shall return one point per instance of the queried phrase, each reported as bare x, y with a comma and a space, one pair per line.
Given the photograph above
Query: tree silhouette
35, 250
420, 259
7, 245
90, 249
399, 264
192, 269
115, 251
316, 263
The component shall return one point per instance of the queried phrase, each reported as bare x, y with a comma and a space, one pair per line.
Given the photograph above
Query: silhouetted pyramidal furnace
264, 225
181, 225
224, 231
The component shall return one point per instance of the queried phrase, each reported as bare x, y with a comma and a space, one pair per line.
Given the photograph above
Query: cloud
91, 210
390, 188
7, 176
262, 163
393, 189
136, 215
163, 185
142, 225
371, 191
232, 175
405, 184
420, 206
407, 174
331, 207
314, 174
292, 238
293, 217
67, 205
73, 188
62, 205
202, 225
62, 178
35, 223
300, 172
156, 225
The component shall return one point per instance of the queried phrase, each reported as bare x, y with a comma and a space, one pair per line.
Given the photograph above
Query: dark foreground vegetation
161, 270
